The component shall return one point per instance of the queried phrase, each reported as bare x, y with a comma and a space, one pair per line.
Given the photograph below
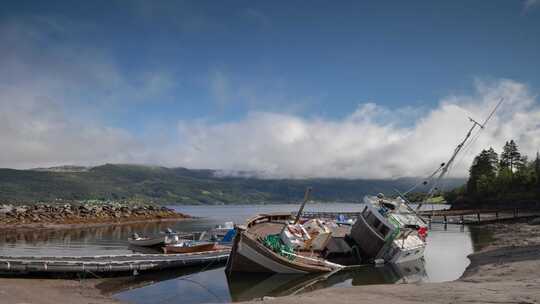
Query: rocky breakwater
81, 213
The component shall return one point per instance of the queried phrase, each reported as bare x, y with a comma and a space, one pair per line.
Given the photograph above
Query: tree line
500, 178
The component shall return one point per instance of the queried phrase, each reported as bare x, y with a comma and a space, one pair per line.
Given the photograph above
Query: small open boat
167, 237
187, 246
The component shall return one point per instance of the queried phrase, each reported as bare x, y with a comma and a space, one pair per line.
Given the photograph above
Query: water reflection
88, 241
245, 287
212, 285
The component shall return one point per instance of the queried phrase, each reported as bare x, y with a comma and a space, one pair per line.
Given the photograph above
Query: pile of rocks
82, 212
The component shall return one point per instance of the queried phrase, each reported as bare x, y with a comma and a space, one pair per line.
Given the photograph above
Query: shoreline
92, 223
500, 272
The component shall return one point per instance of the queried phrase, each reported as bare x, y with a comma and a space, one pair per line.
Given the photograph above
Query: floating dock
108, 263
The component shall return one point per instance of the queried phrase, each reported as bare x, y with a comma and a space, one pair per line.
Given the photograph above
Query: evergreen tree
510, 157
537, 167
484, 168
505, 157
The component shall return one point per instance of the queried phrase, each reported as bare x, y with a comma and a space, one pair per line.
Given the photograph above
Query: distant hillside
180, 185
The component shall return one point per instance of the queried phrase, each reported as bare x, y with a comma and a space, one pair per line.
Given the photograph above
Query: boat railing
333, 215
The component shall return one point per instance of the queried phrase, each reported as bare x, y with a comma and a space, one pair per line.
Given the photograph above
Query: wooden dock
477, 216
108, 263
465, 216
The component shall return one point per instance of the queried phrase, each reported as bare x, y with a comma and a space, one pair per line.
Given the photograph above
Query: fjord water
445, 259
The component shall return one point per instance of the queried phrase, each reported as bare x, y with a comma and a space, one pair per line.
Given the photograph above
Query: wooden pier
108, 263
447, 216
476, 216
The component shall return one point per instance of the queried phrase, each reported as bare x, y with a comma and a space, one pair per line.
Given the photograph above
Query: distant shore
503, 271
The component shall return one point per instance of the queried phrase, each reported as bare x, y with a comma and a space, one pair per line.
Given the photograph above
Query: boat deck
262, 230
108, 263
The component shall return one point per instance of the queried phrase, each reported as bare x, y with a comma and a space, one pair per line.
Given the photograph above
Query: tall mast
306, 198
446, 166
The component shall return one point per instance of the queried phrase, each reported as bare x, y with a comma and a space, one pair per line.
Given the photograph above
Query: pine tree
537, 168
483, 169
505, 157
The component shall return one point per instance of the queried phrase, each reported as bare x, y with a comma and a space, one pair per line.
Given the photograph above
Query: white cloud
362, 144
53, 93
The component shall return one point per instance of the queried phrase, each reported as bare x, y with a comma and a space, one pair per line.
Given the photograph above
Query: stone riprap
81, 212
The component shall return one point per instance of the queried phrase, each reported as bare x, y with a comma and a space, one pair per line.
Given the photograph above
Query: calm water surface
445, 259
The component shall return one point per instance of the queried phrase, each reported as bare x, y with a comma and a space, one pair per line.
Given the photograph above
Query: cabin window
384, 230
372, 220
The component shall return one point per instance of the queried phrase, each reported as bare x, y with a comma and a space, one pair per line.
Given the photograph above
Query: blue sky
144, 68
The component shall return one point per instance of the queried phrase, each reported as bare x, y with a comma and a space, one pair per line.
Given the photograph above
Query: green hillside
179, 185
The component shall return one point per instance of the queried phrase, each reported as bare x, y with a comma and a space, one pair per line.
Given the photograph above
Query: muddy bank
78, 215
51, 291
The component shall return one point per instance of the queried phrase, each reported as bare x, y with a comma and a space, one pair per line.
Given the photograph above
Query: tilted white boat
390, 230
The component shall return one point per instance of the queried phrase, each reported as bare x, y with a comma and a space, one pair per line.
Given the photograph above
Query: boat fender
422, 232
378, 262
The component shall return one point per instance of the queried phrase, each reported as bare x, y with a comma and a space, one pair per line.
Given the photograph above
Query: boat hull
249, 255
190, 249
403, 255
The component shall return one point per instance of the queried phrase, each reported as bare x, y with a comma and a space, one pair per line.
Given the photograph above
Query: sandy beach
504, 271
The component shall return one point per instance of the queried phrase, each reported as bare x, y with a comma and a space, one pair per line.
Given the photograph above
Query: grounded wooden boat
190, 247
252, 253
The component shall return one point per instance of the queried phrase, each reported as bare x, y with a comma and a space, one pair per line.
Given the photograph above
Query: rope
274, 242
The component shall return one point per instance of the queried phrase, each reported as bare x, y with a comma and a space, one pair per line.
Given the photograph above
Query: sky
354, 89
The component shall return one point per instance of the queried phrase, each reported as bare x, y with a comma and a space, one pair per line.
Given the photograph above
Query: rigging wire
471, 143
462, 145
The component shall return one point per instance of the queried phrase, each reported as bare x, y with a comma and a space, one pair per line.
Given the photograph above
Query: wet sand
51, 291
504, 271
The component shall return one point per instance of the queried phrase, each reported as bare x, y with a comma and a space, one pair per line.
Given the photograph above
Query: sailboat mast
456, 151
306, 198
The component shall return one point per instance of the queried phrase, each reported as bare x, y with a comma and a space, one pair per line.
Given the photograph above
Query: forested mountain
180, 185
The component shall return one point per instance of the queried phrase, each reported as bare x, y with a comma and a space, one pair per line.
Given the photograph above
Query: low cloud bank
372, 142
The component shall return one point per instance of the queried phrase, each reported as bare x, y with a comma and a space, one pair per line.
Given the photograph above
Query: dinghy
188, 246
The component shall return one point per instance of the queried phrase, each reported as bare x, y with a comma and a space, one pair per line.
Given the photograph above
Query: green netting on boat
274, 242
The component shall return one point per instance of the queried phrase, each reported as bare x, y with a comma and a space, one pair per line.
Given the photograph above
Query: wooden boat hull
196, 248
249, 255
